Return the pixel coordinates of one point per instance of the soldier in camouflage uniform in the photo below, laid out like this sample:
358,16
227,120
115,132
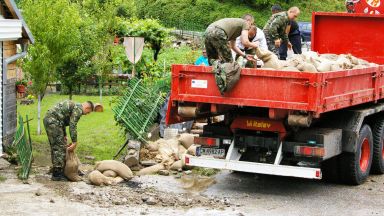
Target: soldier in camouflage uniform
275,29
217,36
66,113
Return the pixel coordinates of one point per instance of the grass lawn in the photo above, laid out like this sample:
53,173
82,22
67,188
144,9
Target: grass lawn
98,134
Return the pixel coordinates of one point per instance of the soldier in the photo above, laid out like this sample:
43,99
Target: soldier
66,113
220,32
275,29
217,36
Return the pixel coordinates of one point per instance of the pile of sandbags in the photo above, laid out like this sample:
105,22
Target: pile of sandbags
110,172
312,62
170,154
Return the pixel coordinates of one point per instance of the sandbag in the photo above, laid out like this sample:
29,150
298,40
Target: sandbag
182,150
186,139
330,56
359,67
192,150
71,170
110,173
324,66
151,170
306,67
117,180
168,147
311,54
263,55
98,179
178,165
335,67
272,61
290,69
121,169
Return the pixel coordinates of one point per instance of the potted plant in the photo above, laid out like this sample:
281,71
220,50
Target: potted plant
20,85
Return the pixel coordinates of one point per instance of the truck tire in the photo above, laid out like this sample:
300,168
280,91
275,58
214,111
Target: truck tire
355,167
378,147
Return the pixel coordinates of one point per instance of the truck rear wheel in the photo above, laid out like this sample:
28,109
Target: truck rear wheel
355,167
378,147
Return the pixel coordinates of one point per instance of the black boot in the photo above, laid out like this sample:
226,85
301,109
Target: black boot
58,175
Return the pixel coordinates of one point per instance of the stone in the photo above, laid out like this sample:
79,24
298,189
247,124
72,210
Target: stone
164,172
4,164
38,193
148,163
151,201
188,172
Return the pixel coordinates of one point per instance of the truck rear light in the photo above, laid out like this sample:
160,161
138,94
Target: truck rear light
186,160
206,141
309,151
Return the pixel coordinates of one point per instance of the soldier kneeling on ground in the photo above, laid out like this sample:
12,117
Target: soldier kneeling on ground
63,114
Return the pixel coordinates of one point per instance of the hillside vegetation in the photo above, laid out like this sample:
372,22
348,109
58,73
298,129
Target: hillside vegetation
198,14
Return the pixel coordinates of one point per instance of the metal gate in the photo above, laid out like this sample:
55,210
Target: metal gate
23,146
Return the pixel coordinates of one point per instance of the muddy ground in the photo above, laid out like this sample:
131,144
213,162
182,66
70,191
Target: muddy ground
229,194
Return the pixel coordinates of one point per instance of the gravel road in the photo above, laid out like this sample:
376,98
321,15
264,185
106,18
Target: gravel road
231,194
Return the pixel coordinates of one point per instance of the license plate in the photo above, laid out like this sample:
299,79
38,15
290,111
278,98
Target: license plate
215,152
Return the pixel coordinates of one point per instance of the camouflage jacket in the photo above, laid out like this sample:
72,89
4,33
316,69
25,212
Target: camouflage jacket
66,113
276,25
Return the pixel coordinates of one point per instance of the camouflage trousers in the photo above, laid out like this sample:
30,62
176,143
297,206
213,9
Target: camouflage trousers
55,133
219,53
271,45
216,44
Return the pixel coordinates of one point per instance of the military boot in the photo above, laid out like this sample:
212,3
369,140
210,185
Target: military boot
58,175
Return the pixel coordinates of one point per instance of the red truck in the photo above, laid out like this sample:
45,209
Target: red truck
310,125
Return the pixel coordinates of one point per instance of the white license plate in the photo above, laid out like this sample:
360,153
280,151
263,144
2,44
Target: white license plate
215,152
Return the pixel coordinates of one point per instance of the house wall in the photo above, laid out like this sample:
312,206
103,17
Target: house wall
10,104
1,97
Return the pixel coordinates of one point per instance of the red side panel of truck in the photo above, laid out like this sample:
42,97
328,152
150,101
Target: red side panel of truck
358,34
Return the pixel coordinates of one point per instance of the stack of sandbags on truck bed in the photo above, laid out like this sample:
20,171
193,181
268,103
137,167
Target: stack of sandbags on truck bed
312,62
170,153
110,172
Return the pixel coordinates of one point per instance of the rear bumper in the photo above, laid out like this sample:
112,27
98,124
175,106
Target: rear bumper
252,167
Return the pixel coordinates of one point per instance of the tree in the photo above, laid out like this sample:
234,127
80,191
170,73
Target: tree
153,32
55,26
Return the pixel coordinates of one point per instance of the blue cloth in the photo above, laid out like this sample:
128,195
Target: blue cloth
202,61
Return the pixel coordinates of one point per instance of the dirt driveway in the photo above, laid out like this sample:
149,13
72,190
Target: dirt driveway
231,194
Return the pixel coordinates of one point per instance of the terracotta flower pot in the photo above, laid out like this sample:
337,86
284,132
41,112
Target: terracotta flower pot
20,88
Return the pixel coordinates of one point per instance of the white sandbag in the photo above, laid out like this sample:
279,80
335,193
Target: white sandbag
186,139
98,179
152,146
307,67
324,66
151,170
192,150
290,69
178,165
110,173
329,56
311,54
335,67
120,168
